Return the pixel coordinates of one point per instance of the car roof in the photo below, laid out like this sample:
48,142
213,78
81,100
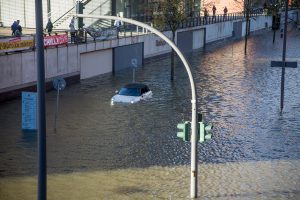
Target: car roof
136,85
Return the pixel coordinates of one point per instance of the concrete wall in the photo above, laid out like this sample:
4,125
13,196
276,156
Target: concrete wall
18,70
185,41
10,70
198,38
237,29
95,63
154,45
123,55
218,31
260,22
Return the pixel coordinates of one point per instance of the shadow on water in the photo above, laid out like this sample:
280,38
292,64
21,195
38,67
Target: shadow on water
238,94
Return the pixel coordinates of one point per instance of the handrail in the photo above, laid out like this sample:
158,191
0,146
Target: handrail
98,6
86,2
92,24
64,14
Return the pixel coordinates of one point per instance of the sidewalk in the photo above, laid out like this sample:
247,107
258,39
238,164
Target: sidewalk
5,31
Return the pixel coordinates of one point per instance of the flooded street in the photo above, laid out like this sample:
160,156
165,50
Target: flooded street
131,151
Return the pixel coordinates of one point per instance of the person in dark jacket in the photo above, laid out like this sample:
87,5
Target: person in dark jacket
49,27
225,12
205,15
14,27
214,11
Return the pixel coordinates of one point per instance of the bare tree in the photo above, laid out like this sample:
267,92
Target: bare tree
248,6
169,14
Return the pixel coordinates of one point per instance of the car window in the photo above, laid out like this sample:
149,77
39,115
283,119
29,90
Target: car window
145,90
130,92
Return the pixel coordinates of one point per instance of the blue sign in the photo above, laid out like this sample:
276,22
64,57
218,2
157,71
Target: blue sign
59,83
29,111
134,62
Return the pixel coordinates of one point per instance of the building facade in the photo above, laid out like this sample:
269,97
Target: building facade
60,12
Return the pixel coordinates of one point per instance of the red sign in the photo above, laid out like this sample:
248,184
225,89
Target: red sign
16,44
55,40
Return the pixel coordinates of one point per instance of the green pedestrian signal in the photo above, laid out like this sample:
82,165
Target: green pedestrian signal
208,132
184,131
201,131
204,131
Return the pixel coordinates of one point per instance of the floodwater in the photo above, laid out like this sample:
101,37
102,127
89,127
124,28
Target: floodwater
131,151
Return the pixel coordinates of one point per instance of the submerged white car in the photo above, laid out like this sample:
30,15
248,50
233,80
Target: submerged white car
132,93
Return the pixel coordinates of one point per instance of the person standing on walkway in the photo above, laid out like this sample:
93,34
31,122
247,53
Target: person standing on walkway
225,12
72,31
118,25
214,11
14,27
205,15
18,31
49,27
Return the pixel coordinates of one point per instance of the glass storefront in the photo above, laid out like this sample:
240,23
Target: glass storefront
136,9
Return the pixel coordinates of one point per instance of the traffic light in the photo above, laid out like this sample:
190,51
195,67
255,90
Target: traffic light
184,132
79,10
275,22
204,131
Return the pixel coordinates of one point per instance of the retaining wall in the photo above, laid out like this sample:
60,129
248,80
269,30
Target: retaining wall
19,70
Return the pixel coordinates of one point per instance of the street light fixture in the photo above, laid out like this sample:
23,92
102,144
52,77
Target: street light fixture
194,158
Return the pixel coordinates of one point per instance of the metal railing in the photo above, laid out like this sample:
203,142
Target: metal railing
98,22
205,20
67,15
128,30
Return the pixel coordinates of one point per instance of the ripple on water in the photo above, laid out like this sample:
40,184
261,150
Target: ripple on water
131,151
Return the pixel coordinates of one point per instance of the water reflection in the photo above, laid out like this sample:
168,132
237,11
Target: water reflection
254,149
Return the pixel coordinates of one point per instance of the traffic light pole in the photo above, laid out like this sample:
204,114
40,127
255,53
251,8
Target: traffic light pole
41,120
194,157
283,57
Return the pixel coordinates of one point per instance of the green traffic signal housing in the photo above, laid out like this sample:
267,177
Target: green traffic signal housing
184,132
275,22
208,131
204,131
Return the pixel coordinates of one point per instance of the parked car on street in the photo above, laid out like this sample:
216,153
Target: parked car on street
132,93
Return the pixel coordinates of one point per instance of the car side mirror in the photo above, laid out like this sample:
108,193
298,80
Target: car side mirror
116,91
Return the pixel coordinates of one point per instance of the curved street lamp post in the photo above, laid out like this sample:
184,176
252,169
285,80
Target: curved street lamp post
194,158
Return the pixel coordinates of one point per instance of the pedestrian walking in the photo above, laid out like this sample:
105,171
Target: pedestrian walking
72,31
49,27
225,12
214,9
205,15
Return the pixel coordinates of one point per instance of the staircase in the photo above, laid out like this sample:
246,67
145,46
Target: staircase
65,17
60,23
99,10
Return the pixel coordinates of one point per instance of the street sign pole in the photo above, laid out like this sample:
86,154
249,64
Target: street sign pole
56,111
134,66
59,84
283,64
283,57
41,122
